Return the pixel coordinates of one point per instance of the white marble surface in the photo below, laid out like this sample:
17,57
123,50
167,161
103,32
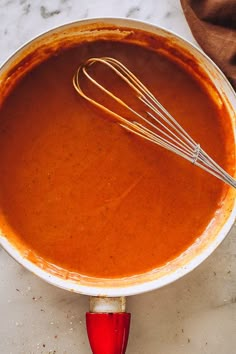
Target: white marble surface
196,315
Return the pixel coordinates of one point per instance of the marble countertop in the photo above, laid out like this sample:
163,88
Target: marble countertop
195,315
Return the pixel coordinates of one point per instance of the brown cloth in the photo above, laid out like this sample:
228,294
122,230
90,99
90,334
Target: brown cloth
213,24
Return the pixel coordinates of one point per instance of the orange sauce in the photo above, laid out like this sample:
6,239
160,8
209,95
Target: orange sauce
89,197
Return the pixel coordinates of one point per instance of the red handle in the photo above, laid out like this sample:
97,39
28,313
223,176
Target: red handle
108,332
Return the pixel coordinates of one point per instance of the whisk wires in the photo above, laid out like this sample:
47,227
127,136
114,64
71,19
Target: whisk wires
158,125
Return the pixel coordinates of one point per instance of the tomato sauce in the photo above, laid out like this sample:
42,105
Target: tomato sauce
89,197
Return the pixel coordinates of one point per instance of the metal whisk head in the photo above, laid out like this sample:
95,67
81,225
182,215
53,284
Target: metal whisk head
156,124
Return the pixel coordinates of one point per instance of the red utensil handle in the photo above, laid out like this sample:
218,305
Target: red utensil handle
108,332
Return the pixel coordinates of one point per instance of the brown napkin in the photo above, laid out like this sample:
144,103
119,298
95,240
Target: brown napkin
213,24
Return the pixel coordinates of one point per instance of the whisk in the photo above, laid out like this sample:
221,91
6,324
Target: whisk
156,124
